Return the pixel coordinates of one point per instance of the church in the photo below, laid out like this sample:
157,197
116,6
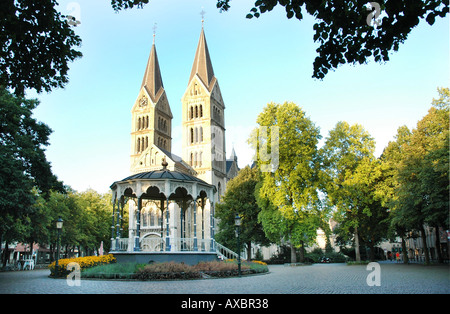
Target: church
171,198
203,123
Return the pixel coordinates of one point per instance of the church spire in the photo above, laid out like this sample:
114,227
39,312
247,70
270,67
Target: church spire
202,63
152,80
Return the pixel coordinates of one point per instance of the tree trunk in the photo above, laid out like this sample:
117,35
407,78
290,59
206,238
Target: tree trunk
438,245
405,252
249,251
424,244
293,254
302,252
6,254
357,254
372,251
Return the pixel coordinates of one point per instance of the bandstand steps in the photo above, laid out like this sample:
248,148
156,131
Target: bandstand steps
225,253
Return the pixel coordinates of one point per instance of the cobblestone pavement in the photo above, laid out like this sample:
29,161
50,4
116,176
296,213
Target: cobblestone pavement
318,278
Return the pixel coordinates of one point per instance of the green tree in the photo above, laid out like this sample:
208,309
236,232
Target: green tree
365,211
423,189
387,190
36,46
96,222
240,199
290,177
342,29
23,165
347,156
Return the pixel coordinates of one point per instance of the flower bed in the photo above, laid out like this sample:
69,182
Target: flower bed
83,262
172,270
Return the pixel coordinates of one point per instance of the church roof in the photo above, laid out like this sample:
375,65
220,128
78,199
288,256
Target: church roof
152,80
202,63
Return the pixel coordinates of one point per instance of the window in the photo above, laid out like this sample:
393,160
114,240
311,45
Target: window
138,145
144,219
201,134
152,218
201,111
196,111
191,113
192,135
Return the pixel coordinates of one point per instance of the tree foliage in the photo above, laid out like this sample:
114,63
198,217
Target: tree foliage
419,161
24,169
291,185
239,199
36,46
342,27
350,178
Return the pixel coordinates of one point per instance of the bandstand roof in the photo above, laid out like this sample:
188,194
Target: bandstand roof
159,184
163,175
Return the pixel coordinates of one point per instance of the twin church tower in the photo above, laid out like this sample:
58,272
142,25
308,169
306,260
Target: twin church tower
203,124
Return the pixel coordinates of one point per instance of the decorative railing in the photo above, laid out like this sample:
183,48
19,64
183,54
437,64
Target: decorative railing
155,244
120,244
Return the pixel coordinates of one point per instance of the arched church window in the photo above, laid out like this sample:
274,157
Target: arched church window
196,111
192,135
146,142
191,113
139,123
201,111
196,135
191,160
146,122
138,145
200,158
201,134
196,160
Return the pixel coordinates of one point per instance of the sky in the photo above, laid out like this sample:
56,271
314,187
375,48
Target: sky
256,61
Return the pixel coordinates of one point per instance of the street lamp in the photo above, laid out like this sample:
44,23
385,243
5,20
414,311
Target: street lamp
59,224
237,223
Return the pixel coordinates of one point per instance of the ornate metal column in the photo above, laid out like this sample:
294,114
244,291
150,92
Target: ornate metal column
167,226
162,226
112,224
118,224
138,225
195,226
211,232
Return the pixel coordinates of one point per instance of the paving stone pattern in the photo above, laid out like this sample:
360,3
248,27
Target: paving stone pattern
317,278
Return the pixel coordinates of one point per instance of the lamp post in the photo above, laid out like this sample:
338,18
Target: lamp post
237,223
59,224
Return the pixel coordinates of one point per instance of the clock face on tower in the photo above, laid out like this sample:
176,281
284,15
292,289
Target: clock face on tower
143,101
